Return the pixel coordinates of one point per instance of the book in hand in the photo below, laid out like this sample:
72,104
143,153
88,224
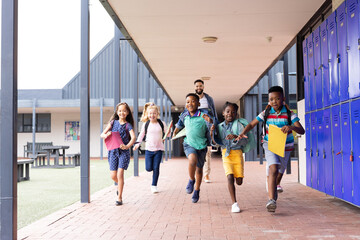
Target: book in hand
113,141
277,140
168,130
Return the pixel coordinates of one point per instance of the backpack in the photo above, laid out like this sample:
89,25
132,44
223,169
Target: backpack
267,112
251,139
147,126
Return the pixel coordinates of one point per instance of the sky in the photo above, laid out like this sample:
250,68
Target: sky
49,40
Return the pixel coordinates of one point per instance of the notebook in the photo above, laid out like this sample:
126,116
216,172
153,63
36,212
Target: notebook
113,141
277,140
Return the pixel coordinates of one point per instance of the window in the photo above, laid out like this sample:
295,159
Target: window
43,122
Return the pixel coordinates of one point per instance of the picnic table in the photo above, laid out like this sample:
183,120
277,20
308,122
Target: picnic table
23,166
54,151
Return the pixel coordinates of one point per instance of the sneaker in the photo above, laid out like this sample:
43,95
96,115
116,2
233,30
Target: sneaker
235,208
190,186
279,189
154,189
196,196
118,203
271,205
207,179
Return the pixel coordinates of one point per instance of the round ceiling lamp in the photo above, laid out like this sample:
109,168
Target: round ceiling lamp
209,39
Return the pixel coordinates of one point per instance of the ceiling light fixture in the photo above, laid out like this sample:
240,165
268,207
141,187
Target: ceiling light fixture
209,39
205,78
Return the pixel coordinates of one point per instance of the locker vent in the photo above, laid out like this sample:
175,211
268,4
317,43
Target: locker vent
310,44
356,113
352,8
341,17
317,40
327,120
336,118
332,25
345,115
323,33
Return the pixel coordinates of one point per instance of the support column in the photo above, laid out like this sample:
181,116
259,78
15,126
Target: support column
166,121
33,127
147,89
117,68
260,90
8,132
286,92
85,104
101,127
136,111
170,118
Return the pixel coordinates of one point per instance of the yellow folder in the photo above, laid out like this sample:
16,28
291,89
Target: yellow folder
277,140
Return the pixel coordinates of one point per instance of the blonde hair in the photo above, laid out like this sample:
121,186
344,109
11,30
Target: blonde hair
147,107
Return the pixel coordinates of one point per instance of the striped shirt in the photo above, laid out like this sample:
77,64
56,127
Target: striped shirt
279,119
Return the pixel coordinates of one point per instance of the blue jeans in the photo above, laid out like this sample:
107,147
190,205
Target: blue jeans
152,163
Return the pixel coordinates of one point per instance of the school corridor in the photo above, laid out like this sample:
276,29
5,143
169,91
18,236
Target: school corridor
302,213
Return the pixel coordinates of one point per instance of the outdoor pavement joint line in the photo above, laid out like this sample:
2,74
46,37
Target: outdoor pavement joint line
67,214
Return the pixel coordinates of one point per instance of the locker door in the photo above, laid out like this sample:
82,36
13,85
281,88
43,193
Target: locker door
353,50
325,63
336,144
333,60
308,149
320,150
317,69
327,153
355,124
346,149
342,48
314,162
312,93
306,76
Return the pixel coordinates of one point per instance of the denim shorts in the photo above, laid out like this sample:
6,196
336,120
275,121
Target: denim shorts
201,154
272,158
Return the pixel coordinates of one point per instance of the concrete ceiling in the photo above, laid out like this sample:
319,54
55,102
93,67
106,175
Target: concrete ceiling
169,34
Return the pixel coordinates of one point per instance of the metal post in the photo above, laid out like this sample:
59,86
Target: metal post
161,110
166,121
147,90
286,92
85,104
117,68
33,127
170,118
136,111
156,93
260,89
8,120
101,127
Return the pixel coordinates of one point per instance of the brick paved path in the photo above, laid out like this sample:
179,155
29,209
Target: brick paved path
302,213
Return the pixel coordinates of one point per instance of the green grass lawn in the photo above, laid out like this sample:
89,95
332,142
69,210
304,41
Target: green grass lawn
51,189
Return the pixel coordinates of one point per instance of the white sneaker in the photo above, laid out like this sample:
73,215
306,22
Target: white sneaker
154,189
235,208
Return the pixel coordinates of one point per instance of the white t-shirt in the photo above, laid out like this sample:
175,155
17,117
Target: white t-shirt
204,102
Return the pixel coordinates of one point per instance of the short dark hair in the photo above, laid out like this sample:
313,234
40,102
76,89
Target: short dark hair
276,89
193,95
198,80
235,106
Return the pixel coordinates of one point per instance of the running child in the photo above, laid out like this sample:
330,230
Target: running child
232,151
195,143
152,132
121,121
279,114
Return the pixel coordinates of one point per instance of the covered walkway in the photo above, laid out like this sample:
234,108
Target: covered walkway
302,213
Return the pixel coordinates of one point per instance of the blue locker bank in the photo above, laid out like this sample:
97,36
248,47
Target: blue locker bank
331,59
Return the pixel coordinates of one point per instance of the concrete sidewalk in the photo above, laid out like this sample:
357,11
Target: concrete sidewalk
302,213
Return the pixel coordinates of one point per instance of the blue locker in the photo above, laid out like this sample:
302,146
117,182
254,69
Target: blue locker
333,59
327,153
355,125
353,49
342,48
336,145
312,93
320,150
306,76
317,69
314,163
346,150
308,149
325,64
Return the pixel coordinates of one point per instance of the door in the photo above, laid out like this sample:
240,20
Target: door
325,64
336,145
333,59
317,70
312,93
320,150
314,162
308,149
346,150
327,153
306,76
355,125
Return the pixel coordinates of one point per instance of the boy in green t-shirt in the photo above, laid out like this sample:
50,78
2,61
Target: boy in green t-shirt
195,142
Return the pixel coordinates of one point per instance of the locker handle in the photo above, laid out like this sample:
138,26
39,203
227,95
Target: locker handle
317,152
351,156
314,72
347,48
358,43
311,152
324,155
338,57
338,153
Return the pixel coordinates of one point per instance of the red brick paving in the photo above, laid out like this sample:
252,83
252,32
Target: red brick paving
302,213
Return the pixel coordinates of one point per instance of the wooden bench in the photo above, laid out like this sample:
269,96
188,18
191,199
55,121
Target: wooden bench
74,159
28,148
21,164
39,160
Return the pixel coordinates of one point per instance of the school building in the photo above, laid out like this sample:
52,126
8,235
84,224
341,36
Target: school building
310,48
